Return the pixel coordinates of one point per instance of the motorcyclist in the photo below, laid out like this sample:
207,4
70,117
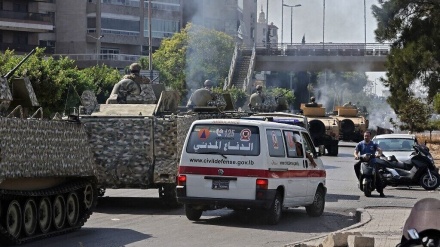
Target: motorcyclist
368,147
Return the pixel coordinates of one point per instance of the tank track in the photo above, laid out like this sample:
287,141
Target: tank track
84,213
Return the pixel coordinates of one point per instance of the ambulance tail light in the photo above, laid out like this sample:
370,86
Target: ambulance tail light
181,186
181,180
262,184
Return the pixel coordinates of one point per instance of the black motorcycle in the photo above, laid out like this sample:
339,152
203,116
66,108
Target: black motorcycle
418,170
421,228
370,175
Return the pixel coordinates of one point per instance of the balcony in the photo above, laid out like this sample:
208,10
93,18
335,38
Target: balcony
22,48
26,21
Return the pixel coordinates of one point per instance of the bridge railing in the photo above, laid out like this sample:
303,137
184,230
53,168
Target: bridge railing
228,80
319,49
247,86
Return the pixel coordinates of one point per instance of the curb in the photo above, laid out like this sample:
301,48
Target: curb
361,216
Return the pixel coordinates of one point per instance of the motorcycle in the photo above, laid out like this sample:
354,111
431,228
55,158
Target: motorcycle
370,178
418,170
421,228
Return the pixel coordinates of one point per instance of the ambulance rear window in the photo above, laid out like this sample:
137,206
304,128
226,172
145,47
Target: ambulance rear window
224,139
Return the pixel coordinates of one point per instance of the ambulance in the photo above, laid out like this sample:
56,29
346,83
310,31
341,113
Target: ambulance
250,165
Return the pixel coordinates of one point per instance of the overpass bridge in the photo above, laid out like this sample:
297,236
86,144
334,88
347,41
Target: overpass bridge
315,57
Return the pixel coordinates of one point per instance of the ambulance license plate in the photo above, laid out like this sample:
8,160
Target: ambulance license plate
220,184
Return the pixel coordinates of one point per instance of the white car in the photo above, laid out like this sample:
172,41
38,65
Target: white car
399,145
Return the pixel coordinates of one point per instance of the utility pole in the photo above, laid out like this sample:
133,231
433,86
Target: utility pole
150,43
282,21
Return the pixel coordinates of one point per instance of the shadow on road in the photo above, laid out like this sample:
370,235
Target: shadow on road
292,220
93,237
135,205
336,197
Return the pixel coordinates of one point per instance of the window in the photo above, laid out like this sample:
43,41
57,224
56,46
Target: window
293,142
161,28
308,144
224,140
275,143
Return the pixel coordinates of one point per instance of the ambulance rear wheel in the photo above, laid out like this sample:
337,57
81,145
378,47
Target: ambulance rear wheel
193,213
274,213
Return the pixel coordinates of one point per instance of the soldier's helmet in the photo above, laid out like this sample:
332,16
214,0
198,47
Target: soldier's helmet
135,68
208,83
312,99
259,87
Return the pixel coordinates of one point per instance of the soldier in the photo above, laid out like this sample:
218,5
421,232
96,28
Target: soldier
121,90
349,104
201,96
312,102
257,98
134,75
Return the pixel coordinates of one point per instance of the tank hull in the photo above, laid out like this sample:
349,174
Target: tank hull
44,165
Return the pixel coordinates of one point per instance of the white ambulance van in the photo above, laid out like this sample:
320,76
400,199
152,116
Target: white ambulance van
250,164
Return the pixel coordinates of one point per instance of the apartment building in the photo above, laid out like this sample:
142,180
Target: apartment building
115,32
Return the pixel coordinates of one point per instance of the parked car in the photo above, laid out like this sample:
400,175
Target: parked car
399,145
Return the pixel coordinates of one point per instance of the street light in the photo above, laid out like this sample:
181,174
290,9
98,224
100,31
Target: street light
98,41
291,19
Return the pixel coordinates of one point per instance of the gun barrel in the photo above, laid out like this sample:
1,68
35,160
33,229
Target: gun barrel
12,71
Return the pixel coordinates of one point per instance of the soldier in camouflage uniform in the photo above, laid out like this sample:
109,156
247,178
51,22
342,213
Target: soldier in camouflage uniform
257,99
202,96
133,88
134,75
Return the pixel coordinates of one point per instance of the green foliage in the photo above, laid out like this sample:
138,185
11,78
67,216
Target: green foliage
239,96
414,115
414,29
436,103
190,57
59,83
277,92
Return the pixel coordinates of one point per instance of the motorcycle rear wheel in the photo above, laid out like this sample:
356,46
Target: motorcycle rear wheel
430,184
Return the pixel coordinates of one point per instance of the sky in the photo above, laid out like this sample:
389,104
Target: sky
344,22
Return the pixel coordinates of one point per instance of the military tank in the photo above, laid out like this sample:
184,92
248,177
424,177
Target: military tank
353,125
323,129
47,175
137,140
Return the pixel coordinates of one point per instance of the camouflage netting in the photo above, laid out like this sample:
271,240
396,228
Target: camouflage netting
34,148
124,149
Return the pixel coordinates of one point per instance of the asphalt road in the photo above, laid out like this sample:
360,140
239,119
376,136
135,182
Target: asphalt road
136,217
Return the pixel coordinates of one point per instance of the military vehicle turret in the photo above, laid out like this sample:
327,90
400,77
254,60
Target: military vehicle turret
323,129
137,142
47,175
353,125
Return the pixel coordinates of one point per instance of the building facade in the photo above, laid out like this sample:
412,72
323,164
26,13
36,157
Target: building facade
115,32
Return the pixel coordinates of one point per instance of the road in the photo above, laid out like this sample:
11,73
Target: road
136,218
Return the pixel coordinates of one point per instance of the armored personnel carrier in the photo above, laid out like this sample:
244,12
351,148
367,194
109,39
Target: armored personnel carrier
47,175
353,125
137,141
323,129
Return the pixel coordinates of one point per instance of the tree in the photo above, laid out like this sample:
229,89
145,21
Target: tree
58,83
190,57
413,27
414,115
436,103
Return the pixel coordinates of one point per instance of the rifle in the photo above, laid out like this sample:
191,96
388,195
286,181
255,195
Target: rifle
12,71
